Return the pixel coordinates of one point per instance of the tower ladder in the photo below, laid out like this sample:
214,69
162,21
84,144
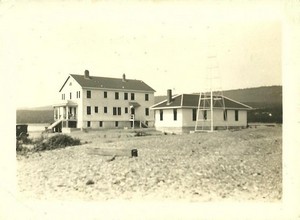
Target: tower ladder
212,98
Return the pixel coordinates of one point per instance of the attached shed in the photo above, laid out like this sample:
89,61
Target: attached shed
179,114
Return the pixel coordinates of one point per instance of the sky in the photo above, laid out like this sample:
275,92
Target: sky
167,44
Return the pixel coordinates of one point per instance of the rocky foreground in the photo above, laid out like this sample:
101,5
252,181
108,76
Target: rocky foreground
244,165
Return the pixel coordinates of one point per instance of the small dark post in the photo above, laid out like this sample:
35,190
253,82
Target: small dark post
169,96
86,74
134,153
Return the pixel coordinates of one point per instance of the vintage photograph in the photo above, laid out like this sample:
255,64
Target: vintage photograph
165,101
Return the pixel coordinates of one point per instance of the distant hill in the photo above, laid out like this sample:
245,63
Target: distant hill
266,101
41,114
35,116
260,97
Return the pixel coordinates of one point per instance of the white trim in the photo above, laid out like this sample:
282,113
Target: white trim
181,100
123,90
171,107
192,107
66,83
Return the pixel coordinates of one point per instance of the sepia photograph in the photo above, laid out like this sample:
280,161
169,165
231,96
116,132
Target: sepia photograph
150,109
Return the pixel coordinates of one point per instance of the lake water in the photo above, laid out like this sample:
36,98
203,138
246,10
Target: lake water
37,127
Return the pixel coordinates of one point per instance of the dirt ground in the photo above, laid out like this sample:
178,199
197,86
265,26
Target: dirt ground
243,165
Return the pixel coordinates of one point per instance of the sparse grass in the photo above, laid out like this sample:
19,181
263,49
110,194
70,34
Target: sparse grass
45,143
56,142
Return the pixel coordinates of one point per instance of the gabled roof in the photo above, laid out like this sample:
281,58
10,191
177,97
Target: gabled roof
191,101
110,83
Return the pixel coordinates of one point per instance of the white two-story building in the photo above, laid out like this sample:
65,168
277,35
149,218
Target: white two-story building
102,102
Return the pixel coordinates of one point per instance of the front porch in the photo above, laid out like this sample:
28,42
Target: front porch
65,116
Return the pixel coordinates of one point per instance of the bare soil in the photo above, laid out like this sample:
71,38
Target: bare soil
243,165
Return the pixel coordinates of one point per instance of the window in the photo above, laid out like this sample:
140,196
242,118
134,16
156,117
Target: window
88,94
225,115
146,111
132,96
114,111
175,114
194,114
236,115
125,96
105,109
119,110
88,110
96,109
63,96
88,124
78,94
100,124
70,95
105,95
205,114
116,124
146,97
161,115
116,95
126,110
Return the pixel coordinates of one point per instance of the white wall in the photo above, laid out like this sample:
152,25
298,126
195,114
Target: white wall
71,86
242,118
185,118
97,99
168,120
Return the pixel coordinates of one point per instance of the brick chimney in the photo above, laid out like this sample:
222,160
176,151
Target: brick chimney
169,96
124,77
86,74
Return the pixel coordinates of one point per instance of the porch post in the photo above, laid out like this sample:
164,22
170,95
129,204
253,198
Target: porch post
54,111
67,116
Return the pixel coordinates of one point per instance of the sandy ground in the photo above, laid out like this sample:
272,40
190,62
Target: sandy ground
244,165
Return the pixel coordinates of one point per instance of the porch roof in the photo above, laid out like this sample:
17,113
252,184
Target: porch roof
65,103
134,104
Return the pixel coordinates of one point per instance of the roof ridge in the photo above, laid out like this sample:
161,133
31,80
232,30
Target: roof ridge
181,103
105,77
